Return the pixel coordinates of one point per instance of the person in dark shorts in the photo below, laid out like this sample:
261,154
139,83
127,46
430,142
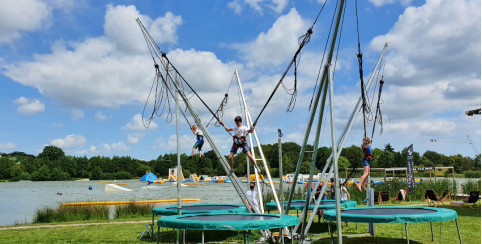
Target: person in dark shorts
239,141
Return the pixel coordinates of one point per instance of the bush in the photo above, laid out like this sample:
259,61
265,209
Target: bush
471,185
472,174
107,176
71,213
122,175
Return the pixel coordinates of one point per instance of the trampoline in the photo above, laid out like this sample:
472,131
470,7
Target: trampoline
227,221
300,205
198,209
402,215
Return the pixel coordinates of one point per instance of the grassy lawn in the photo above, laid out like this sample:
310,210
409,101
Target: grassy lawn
469,222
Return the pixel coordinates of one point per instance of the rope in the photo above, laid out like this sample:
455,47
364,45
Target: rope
378,111
302,41
366,109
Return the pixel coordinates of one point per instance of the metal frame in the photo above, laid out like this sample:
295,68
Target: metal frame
234,180
249,123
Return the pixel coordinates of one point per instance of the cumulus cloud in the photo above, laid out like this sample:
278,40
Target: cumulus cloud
137,124
57,124
278,44
120,146
69,142
100,117
121,28
134,138
29,106
258,5
8,146
77,114
105,71
379,3
439,40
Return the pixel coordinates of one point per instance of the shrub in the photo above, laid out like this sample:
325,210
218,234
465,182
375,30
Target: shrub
71,213
133,209
472,174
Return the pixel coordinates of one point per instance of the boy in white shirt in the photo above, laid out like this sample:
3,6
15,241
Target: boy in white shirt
239,141
251,193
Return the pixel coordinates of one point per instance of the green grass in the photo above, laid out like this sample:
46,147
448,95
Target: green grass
71,213
469,221
133,210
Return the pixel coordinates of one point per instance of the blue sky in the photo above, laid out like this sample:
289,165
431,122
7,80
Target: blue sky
76,74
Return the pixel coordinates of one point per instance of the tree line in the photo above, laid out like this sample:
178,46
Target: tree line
53,165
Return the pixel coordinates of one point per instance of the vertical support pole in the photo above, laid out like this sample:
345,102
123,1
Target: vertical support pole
334,147
179,181
406,233
281,194
458,231
453,178
430,175
435,172
202,238
440,231
431,229
247,167
385,175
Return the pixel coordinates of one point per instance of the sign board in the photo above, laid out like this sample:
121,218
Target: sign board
410,178
424,169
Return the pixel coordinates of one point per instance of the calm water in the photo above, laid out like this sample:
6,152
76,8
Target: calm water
19,200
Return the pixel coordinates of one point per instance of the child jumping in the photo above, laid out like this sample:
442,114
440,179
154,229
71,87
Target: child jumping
367,149
199,142
239,141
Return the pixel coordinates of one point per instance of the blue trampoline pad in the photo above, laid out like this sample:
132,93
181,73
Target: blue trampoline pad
392,215
235,221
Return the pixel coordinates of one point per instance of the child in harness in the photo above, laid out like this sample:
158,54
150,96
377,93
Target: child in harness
239,141
367,150
199,141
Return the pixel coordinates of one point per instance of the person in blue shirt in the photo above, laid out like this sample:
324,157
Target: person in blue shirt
199,142
367,150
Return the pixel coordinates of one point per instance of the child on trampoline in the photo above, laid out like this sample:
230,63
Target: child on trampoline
239,141
199,142
367,149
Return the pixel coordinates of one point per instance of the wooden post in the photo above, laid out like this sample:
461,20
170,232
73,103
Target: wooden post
435,175
393,174
430,175
385,175
453,174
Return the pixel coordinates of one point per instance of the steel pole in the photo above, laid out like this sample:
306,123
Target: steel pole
281,181
179,181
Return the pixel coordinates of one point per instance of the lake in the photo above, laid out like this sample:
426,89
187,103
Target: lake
19,200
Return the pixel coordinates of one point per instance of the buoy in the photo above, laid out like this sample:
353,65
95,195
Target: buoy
90,187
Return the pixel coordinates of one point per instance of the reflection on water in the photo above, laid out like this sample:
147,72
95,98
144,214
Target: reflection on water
19,200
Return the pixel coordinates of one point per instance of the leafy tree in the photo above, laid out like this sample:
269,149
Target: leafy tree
432,156
389,148
42,174
5,167
305,168
52,153
96,173
343,163
17,171
386,160
399,160
426,162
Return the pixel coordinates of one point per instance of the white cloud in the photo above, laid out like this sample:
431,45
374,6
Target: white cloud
258,5
439,40
29,107
37,152
379,3
69,142
77,114
120,26
100,117
22,15
137,124
82,152
106,71
21,100
120,146
133,138
8,146
57,124
278,44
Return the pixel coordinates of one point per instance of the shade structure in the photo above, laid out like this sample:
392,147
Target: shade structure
200,208
392,215
324,204
232,221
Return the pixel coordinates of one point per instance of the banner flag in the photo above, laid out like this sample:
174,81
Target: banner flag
410,178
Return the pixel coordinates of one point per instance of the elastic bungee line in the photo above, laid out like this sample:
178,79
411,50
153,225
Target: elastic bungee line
302,41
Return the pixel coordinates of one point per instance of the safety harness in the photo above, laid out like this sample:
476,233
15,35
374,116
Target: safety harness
239,141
